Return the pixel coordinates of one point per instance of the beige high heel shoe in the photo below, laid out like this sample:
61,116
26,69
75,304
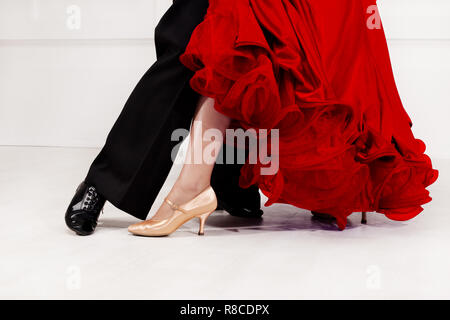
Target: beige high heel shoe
202,206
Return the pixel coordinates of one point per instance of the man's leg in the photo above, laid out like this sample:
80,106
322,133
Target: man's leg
136,159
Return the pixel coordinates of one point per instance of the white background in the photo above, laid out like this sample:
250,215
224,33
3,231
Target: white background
61,85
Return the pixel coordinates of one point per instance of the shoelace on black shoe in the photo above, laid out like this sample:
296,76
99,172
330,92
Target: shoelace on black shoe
91,199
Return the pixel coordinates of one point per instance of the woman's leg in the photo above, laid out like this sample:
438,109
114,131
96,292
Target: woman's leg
196,173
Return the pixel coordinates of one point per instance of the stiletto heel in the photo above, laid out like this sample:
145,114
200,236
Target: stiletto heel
202,218
364,218
202,206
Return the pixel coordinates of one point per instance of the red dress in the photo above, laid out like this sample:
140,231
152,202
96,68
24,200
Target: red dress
320,72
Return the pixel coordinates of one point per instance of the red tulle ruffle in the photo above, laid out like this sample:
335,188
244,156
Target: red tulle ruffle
317,72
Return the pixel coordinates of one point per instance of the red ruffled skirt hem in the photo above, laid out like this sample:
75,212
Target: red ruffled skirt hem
345,140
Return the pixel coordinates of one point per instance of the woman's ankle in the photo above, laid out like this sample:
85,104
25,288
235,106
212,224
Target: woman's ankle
192,188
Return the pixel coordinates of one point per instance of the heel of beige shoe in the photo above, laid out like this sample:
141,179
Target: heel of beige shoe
203,219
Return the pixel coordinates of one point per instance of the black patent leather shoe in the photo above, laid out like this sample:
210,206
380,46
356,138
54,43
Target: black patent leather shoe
245,204
240,211
84,210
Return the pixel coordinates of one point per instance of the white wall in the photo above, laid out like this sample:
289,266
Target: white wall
67,67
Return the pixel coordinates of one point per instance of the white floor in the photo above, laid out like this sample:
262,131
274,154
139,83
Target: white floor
286,255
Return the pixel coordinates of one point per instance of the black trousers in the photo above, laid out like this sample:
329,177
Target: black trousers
136,159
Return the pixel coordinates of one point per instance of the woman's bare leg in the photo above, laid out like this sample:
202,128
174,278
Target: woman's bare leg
196,176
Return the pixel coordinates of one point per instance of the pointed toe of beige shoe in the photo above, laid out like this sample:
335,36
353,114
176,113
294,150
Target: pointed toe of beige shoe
136,229
150,228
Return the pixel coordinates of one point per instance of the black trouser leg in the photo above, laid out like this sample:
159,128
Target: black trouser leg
136,159
225,182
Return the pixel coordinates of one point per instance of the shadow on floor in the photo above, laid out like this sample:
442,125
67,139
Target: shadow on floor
270,222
